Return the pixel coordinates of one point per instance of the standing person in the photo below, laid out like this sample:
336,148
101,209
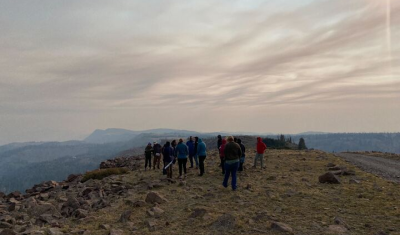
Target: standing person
196,157
219,142
157,155
202,154
168,158
147,153
261,147
190,145
232,161
182,151
222,155
242,158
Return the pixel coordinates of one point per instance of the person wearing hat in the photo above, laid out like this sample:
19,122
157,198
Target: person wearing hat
147,153
157,155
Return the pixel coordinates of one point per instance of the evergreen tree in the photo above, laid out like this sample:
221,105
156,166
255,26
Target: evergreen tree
302,144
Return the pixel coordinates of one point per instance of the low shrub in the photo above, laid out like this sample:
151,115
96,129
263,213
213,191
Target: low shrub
102,173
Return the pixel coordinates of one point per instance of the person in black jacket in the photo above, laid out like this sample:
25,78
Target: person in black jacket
196,157
219,142
147,153
242,158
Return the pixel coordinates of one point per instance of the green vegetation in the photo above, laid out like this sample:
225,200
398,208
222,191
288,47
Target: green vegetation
102,173
302,144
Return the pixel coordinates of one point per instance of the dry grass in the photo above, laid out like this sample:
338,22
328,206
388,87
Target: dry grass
103,173
287,191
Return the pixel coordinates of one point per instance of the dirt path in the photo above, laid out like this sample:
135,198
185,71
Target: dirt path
386,168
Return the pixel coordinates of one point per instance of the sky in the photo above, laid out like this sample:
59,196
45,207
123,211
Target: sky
70,67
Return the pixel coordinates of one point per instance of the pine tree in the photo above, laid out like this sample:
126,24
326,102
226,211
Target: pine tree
302,144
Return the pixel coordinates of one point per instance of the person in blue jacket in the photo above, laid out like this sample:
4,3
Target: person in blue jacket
202,153
190,145
182,152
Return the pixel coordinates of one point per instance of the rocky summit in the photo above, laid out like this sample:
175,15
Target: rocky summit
299,192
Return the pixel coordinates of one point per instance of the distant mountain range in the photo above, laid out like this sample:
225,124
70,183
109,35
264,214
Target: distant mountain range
25,164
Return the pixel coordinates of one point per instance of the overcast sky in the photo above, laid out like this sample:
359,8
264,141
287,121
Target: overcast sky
70,67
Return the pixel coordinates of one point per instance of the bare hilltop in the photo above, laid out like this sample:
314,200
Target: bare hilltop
285,198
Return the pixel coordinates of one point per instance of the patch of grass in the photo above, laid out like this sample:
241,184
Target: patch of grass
103,173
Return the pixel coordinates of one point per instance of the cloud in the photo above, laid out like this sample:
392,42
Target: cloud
97,57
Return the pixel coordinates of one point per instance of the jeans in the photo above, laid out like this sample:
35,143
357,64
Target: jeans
148,162
182,164
191,160
201,164
231,169
259,156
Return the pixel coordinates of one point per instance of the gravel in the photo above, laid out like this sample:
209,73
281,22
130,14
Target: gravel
386,168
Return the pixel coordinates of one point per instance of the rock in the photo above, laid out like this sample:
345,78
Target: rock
198,212
335,168
80,213
336,229
157,211
54,231
104,226
248,187
153,197
271,177
339,172
182,183
329,178
225,222
151,224
354,181
8,231
330,164
340,221
45,208
282,227
116,232
348,172
125,216
72,178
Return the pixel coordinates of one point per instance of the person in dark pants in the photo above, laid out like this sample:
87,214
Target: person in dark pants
190,145
202,153
232,161
196,157
157,149
242,158
168,158
147,153
219,142
182,152
222,155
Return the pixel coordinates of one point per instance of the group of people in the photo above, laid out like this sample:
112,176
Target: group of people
231,150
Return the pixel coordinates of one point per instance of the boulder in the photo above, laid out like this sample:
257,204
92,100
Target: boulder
125,216
153,197
282,227
45,208
329,178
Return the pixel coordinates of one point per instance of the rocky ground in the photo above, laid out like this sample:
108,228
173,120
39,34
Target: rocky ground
286,197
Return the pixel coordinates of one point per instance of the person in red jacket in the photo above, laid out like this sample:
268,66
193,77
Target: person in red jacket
261,147
222,155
